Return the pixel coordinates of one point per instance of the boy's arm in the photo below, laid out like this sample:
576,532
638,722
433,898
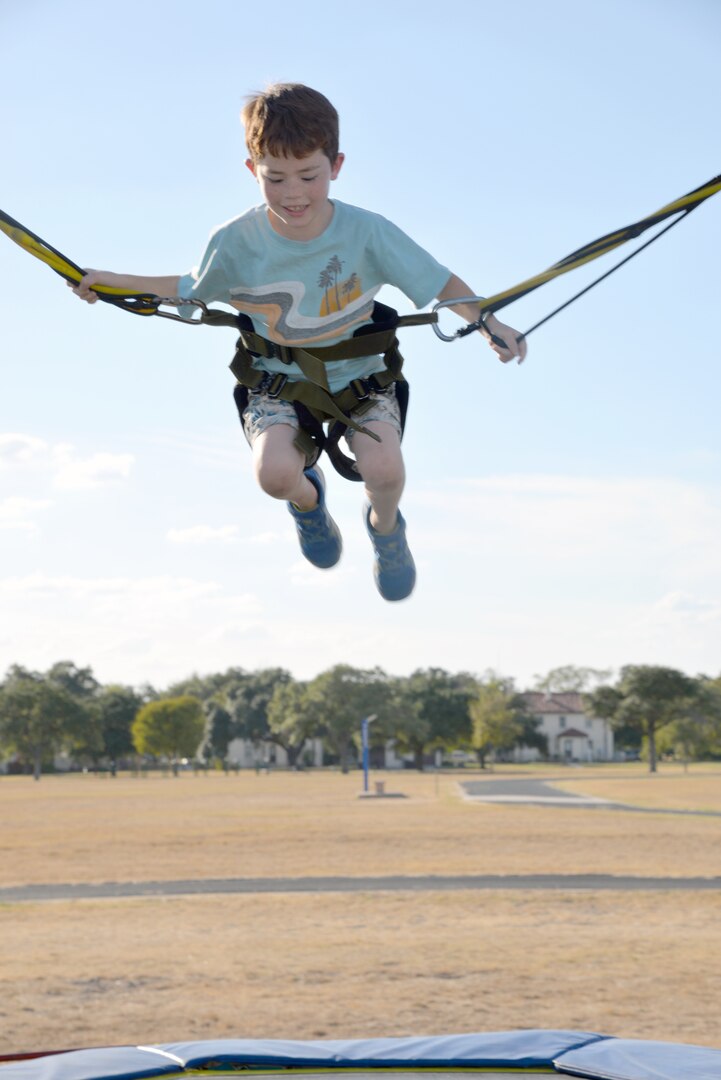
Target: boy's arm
454,287
158,286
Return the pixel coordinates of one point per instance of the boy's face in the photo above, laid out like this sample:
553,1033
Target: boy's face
295,191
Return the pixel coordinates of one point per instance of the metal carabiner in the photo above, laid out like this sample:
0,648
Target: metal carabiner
177,301
463,330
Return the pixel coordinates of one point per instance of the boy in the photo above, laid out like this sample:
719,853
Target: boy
305,269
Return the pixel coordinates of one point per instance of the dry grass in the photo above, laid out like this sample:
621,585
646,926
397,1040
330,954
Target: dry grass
312,966
79,829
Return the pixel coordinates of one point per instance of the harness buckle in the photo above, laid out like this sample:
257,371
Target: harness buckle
276,351
360,388
275,385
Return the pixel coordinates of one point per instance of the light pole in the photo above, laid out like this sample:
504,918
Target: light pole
364,743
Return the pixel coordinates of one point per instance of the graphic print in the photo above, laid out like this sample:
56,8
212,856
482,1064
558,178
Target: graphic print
277,308
337,294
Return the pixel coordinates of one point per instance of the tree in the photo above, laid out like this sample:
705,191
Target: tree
247,699
645,699
80,682
292,718
341,698
406,721
86,743
36,717
499,719
117,708
496,723
170,727
697,733
218,730
207,687
433,711
570,679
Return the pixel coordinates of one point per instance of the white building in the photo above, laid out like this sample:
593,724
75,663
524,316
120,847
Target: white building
572,734
248,755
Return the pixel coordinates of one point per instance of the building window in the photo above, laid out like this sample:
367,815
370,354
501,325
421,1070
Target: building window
589,723
562,721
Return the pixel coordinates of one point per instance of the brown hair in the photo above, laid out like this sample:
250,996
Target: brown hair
290,120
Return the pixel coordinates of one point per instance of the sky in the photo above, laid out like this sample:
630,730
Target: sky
566,511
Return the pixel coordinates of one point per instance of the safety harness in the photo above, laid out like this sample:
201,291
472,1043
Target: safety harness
314,403
312,400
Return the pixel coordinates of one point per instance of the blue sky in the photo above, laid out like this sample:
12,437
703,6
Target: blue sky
565,511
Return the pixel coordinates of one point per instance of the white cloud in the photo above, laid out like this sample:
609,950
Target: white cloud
223,534
574,519
683,604
16,513
132,629
16,449
74,473
204,534
521,573
67,469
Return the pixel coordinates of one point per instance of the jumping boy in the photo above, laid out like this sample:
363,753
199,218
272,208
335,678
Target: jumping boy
306,269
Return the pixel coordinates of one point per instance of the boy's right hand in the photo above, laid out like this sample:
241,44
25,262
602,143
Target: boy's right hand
133,284
84,288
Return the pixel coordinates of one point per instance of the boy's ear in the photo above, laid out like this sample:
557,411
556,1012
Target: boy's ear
250,164
336,166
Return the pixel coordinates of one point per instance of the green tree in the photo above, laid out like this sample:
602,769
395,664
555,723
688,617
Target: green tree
78,681
496,722
341,697
433,712
292,718
405,720
37,718
117,708
85,744
570,679
247,701
208,687
696,734
170,727
218,730
645,699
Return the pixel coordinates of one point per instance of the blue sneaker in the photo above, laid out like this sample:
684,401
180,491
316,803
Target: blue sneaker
394,570
319,536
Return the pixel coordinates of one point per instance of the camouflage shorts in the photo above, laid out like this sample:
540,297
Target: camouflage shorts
263,412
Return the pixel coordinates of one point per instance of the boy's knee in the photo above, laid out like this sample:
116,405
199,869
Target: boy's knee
383,474
279,479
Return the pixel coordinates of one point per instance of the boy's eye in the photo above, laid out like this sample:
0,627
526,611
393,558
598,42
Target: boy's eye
310,179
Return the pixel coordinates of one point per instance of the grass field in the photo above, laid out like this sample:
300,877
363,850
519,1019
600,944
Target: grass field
641,964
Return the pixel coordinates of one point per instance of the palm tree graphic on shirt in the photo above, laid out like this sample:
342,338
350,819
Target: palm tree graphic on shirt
337,293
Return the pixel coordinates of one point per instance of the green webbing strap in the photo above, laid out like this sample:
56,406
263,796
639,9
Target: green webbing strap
317,399
315,394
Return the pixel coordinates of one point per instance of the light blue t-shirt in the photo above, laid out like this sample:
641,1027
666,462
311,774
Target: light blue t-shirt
315,292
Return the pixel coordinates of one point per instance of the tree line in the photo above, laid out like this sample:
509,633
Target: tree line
66,709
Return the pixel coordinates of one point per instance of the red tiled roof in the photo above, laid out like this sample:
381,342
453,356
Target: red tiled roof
572,733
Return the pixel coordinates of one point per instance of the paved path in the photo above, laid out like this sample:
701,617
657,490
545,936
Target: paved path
425,883
533,792
542,793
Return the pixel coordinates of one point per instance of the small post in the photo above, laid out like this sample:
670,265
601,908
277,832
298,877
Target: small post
364,744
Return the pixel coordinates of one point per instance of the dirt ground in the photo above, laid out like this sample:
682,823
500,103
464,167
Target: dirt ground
641,964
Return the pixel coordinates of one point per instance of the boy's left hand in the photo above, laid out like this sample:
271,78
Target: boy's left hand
506,342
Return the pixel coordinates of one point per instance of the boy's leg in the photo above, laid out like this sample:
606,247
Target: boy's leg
281,472
381,466
279,467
